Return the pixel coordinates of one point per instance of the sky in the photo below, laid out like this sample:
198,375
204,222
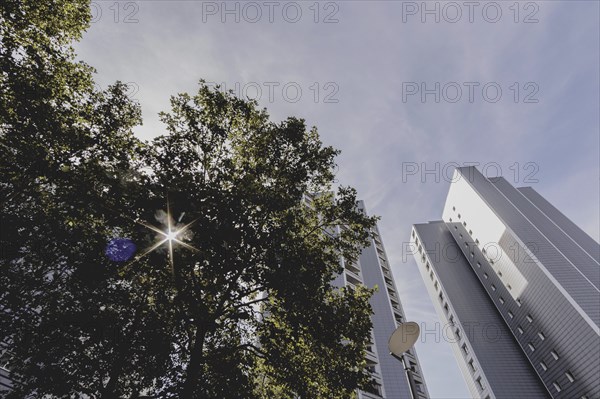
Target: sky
406,90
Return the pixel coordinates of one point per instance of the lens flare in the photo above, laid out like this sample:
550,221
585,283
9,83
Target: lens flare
171,235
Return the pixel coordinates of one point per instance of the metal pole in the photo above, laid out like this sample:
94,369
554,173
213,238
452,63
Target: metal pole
409,376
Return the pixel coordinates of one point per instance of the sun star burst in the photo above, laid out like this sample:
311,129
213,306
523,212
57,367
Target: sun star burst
169,237
172,235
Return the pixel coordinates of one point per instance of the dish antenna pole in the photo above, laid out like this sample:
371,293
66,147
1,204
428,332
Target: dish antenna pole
400,342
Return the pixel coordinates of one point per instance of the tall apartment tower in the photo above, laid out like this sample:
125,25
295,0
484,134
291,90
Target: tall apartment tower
373,269
517,285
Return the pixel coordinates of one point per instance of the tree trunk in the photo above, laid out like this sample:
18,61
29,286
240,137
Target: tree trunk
194,368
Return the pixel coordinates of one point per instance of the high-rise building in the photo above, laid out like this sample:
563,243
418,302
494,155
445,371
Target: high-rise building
373,269
517,285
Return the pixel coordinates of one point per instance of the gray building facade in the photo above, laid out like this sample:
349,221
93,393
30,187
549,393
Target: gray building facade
373,269
507,259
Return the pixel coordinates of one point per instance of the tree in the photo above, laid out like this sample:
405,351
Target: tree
230,292
241,178
67,155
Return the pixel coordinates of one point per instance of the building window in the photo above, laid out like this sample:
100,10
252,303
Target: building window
478,264
472,365
472,255
427,266
479,383
467,244
435,285
541,335
520,329
554,355
511,315
465,224
457,332
502,300
459,215
460,235
451,319
413,234
470,232
455,228
413,366
570,376
431,275
509,287
446,308
499,273
419,387
454,208
557,386
518,300
441,296
529,318
544,366
465,349
450,219
531,347
477,241
493,287
485,275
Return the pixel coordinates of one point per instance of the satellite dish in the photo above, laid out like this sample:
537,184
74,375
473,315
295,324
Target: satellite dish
403,338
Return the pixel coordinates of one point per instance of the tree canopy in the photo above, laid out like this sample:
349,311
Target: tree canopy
190,266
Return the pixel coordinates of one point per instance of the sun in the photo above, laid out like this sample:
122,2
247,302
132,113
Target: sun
171,235
172,238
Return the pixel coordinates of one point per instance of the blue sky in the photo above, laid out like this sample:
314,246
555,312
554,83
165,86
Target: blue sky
357,65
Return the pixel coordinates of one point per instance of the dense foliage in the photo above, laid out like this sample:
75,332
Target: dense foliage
239,304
